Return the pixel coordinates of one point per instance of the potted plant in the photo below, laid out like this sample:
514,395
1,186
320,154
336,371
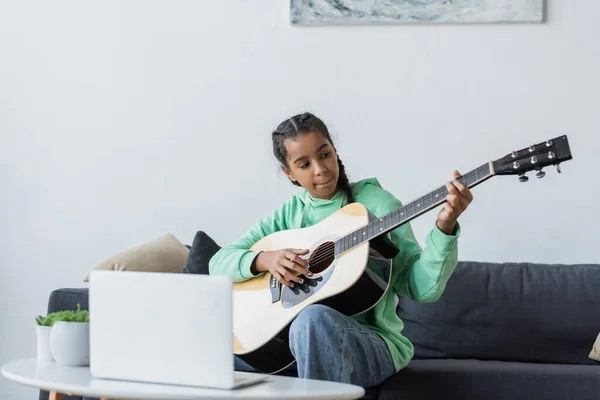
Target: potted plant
42,330
69,336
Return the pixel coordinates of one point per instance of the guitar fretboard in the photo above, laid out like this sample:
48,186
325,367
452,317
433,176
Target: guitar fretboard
407,212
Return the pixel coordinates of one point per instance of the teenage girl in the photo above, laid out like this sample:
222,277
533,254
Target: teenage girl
368,348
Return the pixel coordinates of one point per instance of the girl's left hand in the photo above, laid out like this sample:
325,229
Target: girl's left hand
458,199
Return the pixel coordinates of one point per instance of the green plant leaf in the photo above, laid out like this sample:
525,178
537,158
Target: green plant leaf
66,316
42,321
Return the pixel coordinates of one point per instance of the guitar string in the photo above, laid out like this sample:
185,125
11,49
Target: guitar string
466,179
322,256
325,254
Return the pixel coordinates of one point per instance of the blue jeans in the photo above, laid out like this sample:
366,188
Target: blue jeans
329,345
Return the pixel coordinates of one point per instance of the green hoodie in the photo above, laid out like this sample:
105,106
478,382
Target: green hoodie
420,274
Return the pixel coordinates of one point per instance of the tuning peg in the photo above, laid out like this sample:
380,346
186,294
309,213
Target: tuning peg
531,148
558,168
513,154
540,174
523,178
548,143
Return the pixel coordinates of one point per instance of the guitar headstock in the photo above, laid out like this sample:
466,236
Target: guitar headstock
534,157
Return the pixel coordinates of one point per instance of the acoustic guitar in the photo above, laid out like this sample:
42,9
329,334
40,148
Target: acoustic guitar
263,309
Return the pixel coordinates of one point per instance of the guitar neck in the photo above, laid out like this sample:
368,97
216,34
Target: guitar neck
410,211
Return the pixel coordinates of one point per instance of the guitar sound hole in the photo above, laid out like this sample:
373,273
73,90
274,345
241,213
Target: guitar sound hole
322,257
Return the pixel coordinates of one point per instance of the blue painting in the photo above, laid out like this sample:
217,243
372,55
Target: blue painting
320,12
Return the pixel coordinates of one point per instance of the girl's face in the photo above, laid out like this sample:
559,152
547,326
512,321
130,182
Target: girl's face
313,164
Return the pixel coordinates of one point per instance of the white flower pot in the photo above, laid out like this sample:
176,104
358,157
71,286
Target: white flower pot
70,343
43,343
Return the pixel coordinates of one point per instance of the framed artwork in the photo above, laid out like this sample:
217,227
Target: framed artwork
323,12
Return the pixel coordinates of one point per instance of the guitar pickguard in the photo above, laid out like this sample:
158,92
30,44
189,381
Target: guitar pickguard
301,292
291,297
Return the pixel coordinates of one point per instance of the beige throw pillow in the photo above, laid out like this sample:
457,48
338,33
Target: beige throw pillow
595,353
164,254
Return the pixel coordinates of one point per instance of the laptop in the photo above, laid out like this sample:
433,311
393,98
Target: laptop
163,328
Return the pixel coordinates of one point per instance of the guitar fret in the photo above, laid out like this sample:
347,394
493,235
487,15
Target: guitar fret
484,170
377,226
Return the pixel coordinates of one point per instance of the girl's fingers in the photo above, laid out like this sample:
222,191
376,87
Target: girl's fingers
281,279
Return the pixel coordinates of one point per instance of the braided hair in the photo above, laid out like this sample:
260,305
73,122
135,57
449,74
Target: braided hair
304,123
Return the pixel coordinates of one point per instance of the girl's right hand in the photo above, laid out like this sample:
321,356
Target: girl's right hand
285,265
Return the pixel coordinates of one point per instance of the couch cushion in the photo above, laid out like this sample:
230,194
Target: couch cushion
511,312
473,379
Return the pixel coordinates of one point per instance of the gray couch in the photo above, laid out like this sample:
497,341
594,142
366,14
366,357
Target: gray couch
499,331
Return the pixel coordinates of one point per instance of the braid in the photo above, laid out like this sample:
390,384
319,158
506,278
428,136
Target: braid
344,183
279,135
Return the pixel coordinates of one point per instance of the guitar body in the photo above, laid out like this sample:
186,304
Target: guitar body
261,320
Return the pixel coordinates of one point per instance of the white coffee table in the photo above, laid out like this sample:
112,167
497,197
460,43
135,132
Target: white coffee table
62,380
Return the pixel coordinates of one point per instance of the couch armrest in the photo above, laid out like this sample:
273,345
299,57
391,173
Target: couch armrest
62,300
67,299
